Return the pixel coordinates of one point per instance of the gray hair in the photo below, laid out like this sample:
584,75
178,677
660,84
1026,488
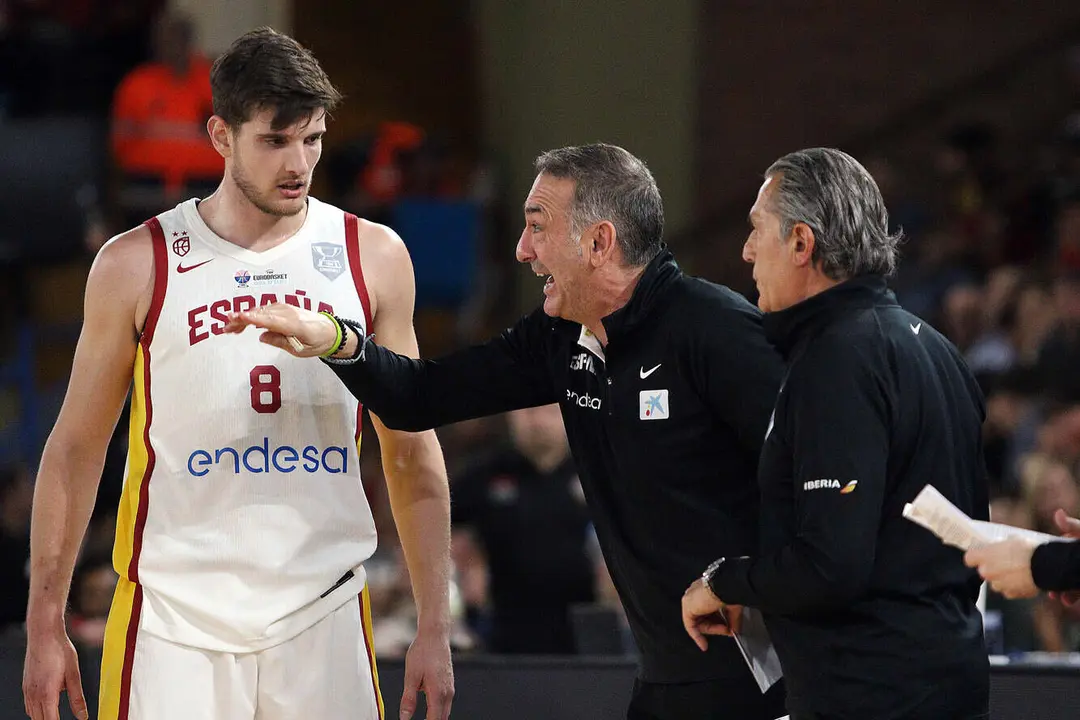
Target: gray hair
611,184
832,193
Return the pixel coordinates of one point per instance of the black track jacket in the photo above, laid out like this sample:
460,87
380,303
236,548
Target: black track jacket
665,425
872,616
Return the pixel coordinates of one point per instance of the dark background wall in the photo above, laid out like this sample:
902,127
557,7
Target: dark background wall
873,78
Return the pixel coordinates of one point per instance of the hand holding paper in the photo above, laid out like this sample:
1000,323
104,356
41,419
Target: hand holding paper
1001,553
1006,566
935,513
705,614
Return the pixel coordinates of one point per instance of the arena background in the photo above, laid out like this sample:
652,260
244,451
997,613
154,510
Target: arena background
968,115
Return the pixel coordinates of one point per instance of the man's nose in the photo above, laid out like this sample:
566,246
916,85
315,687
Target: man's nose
747,251
296,162
524,251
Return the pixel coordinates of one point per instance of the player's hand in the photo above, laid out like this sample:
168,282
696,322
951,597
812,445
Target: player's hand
52,666
705,614
1006,565
314,333
428,669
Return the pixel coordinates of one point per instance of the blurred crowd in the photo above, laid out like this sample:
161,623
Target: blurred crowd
993,261
996,267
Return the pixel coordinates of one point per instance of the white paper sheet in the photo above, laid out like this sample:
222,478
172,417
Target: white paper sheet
935,513
757,649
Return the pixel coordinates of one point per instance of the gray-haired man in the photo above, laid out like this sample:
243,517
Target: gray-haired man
871,615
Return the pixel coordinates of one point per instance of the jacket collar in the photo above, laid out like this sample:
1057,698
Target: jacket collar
659,275
788,328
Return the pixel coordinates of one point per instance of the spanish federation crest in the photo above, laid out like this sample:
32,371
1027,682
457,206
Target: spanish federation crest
329,259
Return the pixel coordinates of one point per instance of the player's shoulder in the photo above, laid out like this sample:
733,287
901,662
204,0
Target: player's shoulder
378,243
382,247
134,246
126,261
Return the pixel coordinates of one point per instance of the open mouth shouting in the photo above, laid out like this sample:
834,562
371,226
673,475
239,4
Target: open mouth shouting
549,281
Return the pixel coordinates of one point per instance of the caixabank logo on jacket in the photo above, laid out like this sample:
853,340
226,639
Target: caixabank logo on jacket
653,405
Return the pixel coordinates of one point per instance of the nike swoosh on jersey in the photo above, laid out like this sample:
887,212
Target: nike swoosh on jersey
181,269
646,373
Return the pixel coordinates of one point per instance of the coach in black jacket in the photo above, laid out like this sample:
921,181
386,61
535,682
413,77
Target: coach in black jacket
665,381
871,615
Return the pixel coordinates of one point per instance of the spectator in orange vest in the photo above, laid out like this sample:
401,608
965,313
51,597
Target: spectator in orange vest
160,111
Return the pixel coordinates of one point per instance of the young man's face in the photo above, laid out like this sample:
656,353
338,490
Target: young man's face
545,244
273,168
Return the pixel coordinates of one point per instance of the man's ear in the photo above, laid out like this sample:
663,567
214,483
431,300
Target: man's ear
802,243
220,135
602,243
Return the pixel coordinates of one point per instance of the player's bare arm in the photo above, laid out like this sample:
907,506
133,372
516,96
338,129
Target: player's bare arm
416,479
118,292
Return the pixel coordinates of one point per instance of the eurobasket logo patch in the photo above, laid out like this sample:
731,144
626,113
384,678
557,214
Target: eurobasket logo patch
653,405
269,277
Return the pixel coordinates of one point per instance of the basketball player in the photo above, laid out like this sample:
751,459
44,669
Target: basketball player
243,527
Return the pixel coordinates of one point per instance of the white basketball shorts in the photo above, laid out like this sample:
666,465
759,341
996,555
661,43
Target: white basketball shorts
326,672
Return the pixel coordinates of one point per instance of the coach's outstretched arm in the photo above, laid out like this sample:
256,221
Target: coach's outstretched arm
118,292
507,373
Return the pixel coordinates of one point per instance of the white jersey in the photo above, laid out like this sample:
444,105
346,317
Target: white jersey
243,519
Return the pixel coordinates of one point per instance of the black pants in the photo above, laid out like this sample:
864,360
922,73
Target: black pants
709,700
952,703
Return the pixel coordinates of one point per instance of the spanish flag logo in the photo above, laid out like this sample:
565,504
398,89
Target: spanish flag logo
849,488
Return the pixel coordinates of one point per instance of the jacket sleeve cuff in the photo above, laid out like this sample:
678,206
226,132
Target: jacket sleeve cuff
731,582
1050,565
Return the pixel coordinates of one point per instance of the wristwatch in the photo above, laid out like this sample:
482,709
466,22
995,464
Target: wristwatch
710,573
